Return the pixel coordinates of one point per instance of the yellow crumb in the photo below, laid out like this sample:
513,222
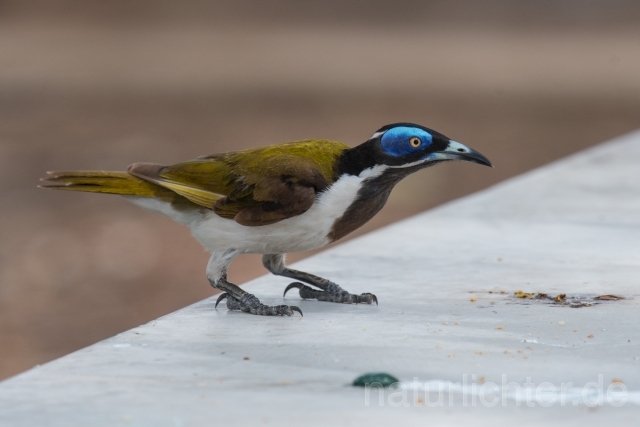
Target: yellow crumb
521,294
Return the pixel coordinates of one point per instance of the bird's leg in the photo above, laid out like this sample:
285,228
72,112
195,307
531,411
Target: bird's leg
237,298
331,292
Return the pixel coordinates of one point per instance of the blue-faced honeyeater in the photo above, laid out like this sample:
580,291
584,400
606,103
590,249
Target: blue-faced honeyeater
290,197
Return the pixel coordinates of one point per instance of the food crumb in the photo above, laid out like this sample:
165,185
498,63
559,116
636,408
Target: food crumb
500,327
457,323
473,299
616,381
246,358
479,352
521,294
561,323
608,298
590,336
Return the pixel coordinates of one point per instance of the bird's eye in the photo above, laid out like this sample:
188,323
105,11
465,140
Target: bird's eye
415,142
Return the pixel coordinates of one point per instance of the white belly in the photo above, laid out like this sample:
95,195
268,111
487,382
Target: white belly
301,233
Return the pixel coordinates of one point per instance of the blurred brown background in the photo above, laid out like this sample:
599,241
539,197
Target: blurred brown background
100,85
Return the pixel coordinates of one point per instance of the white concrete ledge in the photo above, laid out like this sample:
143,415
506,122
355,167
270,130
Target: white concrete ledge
571,227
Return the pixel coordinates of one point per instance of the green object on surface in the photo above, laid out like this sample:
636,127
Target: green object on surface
384,379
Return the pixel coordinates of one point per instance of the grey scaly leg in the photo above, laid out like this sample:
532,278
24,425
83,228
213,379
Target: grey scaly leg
237,298
330,291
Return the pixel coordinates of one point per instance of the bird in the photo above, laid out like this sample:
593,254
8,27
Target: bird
273,200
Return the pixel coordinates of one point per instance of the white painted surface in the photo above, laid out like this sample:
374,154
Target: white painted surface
571,227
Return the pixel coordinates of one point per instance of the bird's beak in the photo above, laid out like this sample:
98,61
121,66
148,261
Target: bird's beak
457,151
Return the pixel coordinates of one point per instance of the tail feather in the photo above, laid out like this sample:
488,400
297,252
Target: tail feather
121,183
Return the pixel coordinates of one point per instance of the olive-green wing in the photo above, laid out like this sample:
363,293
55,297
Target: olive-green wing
152,173
254,187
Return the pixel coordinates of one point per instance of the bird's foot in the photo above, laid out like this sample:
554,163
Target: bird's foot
250,304
333,293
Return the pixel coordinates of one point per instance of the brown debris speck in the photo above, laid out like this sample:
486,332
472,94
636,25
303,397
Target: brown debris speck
608,298
573,301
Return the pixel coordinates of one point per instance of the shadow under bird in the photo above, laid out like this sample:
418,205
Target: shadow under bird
290,197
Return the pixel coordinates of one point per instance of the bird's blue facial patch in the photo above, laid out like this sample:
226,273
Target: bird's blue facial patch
401,140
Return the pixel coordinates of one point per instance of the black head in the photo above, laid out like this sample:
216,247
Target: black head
407,146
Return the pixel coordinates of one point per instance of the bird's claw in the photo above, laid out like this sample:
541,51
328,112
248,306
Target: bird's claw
333,294
250,304
297,285
220,298
368,298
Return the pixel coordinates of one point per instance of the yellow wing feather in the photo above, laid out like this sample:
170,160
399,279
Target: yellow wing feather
120,183
152,173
